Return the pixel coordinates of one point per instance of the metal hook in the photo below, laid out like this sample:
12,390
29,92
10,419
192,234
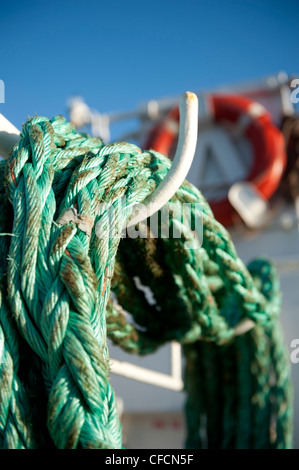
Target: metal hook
181,163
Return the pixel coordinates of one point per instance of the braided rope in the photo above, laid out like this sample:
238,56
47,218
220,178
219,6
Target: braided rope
56,296
57,192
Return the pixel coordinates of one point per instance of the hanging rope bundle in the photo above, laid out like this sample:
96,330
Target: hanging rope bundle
62,286
238,386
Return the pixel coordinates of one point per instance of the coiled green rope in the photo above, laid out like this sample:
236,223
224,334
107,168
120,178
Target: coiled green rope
56,277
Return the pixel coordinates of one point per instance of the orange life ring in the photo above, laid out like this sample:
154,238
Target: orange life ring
267,141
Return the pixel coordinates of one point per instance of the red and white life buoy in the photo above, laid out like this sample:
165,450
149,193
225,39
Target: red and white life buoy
255,123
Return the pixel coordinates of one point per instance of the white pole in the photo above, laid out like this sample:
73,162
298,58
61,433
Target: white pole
176,361
9,136
141,374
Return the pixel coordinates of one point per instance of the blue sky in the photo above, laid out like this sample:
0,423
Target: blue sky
117,54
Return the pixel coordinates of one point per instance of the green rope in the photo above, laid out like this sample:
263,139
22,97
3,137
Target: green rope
63,288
